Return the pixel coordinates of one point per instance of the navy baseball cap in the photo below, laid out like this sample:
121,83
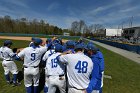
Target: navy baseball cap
70,43
58,48
33,38
91,47
49,40
38,41
7,42
79,46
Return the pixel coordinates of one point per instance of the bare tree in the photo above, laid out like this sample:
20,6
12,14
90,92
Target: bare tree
74,27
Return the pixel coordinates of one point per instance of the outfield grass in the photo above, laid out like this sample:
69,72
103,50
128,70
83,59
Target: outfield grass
125,73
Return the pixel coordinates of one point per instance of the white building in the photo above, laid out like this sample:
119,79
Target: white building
113,32
66,34
109,32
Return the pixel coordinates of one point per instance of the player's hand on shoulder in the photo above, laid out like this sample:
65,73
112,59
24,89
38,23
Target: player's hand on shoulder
69,52
54,38
18,50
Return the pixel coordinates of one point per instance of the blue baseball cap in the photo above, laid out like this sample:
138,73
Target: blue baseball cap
91,47
38,41
33,38
58,47
70,43
7,42
49,40
79,46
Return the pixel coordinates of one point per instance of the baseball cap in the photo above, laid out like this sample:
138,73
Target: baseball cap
49,40
33,38
70,43
7,42
38,41
58,48
91,47
79,46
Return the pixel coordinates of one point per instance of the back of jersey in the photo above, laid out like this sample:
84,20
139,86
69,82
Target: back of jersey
32,56
53,66
6,53
79,68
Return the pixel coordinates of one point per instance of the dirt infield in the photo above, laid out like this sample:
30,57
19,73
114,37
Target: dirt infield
18,38
22,38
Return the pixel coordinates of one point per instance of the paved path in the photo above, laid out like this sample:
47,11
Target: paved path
130,55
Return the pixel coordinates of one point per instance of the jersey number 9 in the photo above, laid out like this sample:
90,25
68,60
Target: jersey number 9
81,67
33,56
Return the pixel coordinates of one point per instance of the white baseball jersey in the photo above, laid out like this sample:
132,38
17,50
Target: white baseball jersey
6,53
32,56
53,66
79,68
47,54
9,66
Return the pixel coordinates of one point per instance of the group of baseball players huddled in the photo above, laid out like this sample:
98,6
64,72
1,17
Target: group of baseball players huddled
71,66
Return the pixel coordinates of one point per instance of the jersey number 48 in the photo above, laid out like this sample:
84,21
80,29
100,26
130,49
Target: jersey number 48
81,67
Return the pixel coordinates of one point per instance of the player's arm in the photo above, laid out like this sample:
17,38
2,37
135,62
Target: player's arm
20,55
44,58
94,78
101,59
62,58
45,48
11,53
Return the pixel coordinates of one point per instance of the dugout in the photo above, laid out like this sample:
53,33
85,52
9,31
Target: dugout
133,32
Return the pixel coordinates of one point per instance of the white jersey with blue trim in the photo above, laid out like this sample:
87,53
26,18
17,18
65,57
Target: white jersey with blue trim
31,44
79,68
47,54
6,53
32,56
53,66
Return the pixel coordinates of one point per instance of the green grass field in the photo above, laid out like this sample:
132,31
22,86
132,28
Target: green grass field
124,72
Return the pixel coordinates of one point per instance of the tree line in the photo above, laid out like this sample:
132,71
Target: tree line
23,25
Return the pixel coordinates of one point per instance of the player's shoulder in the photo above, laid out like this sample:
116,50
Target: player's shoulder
7,48
27,49
87,58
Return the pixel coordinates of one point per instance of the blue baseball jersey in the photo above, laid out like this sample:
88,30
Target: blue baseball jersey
97,74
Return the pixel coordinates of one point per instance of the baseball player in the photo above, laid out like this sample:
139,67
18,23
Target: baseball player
79,68
8,64
96,83
55,72
70,45
44,59
32,56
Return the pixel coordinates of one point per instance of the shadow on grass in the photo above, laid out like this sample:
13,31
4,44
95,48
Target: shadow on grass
20,76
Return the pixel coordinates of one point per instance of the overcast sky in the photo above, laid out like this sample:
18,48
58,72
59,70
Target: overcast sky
62,13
